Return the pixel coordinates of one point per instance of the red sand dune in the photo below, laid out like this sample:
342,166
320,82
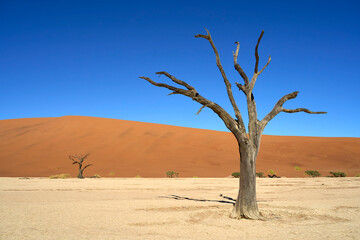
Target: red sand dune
40,147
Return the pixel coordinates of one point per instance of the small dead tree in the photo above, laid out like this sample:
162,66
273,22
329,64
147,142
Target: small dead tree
79,159
249,143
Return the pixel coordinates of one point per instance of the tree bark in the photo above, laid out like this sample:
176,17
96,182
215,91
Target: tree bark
246,204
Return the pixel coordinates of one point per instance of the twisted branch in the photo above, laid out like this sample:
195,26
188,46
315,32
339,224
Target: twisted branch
256,73
256,52
301,110
227,83
278,108
87,166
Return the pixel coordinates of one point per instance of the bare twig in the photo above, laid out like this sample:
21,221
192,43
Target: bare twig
301,110
237,66
200,109
256,52
241,87
264,66
256,73
176,90
175,80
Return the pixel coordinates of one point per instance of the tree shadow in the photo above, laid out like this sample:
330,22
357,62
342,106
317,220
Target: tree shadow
228,201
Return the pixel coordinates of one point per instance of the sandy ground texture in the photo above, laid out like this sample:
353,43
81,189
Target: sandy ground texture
183,208
39,147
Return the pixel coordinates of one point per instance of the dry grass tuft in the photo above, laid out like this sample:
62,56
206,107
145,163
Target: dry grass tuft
95,176
62,175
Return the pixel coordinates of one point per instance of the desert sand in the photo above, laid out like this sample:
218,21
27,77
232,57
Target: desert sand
39,147
157,208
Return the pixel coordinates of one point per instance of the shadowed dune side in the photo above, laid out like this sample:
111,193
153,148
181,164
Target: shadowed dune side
40,147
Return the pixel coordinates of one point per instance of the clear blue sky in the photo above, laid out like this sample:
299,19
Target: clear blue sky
84,58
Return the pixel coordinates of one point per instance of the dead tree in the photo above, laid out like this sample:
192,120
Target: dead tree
79,159
249,143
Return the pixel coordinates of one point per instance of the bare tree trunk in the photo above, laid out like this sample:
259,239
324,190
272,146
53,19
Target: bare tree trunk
246,205
80,175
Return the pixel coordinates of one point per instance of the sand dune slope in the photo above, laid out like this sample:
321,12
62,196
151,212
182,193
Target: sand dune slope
40,147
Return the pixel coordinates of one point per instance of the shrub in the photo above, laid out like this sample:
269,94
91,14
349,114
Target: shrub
357,175
297,168
260,174
236,174
172,174
62,175
313,173
111,173
138,176
272,172
338,174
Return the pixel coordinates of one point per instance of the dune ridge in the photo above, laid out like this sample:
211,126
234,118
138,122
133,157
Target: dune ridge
39,147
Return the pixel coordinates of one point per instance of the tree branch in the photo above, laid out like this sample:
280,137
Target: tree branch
74,161
237,66
227,83
256,52
278,108
87,166
301,110
203,36
84,156
241,88
175,80
256,73
200,109
230,122
80,158
264,66
174,89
